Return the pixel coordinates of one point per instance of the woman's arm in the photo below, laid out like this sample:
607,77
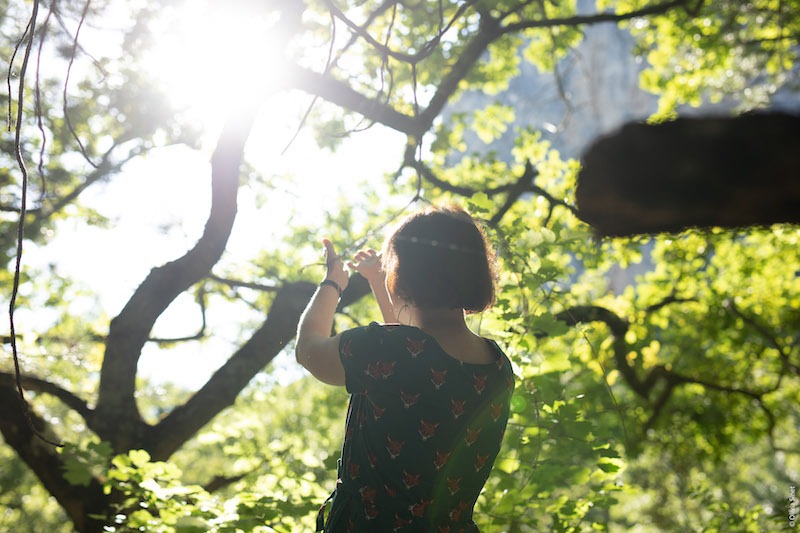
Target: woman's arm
368,264
315,349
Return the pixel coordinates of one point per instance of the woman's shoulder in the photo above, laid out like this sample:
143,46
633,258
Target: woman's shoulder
381,332
388,329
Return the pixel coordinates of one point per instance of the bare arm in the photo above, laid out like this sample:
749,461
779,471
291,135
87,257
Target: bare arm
368,264
315,349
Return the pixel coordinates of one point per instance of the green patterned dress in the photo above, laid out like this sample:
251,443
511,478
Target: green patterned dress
422,433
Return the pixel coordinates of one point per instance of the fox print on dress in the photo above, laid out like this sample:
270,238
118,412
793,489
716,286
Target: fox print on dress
409,399
438,378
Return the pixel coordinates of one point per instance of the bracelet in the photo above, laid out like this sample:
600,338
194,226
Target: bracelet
332,284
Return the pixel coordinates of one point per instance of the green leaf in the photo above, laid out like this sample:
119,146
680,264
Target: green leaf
77,472
480,202
548,324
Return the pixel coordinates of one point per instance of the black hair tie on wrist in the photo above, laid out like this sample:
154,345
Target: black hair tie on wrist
332,284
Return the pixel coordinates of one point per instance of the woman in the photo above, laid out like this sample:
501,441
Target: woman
429,398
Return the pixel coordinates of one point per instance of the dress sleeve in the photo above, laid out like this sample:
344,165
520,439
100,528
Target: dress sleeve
360,351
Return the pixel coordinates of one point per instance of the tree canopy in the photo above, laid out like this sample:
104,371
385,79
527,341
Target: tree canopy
664,401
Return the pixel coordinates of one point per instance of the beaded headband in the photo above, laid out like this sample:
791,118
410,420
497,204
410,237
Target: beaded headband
435,243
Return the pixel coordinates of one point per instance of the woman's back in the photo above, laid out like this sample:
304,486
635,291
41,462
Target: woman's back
423,430
466,347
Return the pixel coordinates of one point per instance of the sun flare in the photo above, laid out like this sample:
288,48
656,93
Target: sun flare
209,54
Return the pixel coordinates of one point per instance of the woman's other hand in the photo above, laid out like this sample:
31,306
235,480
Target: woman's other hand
368,264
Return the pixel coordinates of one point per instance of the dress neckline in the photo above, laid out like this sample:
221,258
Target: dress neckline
496,351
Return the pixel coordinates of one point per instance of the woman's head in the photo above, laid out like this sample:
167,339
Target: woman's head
439,258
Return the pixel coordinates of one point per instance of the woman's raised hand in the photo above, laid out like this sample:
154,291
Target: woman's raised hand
368,264
335,265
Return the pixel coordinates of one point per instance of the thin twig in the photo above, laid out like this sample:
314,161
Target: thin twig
66,85
9,72
245,284
21,224
38,105
328,64
423,52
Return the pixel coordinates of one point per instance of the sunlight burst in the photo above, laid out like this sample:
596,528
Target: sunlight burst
211,54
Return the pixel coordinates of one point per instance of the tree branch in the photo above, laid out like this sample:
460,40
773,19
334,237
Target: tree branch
233,283
405,57
201,301
40,385
671,299
488,31
762,330
596,18
224,386
618,327
341,94
523,184
119,420
659,405
678,378
103,169
462,190
220,482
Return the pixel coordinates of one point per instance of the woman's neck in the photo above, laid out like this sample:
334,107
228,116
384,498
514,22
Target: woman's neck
437,319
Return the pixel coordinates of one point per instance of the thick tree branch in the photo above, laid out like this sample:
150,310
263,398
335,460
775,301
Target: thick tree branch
486,35
618,327
341,94
659,404
40,385
678,379
673,379
79,502
490,29
660,373
119,421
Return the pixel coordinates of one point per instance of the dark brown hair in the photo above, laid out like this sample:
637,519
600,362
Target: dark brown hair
439,257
